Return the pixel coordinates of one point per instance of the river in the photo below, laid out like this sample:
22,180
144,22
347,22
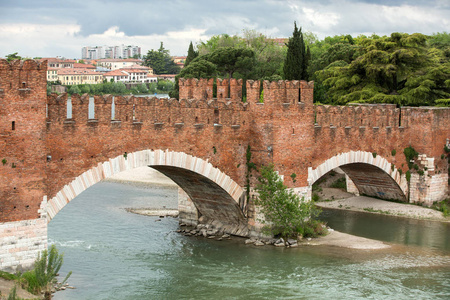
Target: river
119,255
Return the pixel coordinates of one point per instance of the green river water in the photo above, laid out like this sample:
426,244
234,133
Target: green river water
119,255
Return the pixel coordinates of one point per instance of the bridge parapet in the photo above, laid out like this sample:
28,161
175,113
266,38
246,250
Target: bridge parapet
143,111
280,92
358,115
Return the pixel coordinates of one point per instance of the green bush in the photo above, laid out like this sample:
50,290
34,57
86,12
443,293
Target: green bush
443,206
410,155
408,176
315,197
46,268
285,213
339,184
393,152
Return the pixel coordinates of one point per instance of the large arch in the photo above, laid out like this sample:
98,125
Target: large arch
214,193
372,176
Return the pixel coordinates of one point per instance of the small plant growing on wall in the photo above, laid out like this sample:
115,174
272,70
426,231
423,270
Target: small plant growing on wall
293,176
214,150
374,154
125,155
408,176
4,161
410,155
393,152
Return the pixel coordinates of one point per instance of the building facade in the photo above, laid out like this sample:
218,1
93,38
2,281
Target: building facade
101,52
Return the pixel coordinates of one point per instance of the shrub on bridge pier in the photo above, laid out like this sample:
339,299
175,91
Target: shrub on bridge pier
285,213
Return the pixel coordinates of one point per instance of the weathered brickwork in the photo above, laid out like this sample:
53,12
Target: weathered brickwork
20,243
22,143
201,143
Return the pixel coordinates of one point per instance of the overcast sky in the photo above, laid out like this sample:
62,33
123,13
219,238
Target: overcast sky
48,28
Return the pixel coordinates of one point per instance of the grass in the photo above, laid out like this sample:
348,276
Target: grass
339,184
8,276
443,206
370,209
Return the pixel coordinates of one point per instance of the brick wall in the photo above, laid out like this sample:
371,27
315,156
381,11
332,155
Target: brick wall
22,143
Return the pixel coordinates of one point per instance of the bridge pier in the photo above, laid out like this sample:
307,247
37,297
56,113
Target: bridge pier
21,243
187,212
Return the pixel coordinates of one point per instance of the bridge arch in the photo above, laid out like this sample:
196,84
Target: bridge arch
372,176
215,194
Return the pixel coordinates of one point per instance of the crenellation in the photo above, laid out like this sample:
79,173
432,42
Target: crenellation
253,91
223,86
80,108
236,90
102,108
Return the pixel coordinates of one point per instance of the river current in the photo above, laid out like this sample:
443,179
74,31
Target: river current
115,254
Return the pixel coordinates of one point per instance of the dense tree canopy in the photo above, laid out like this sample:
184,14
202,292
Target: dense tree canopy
406,69
269,56
160,61
401,68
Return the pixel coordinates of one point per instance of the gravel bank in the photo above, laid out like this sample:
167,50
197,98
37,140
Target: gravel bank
367,204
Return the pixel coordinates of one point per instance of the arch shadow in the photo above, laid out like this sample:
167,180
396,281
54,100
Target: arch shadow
372,176
214,193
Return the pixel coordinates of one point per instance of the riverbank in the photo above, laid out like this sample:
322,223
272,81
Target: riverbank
6,287
347,201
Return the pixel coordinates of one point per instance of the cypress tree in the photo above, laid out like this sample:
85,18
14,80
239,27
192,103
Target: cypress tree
191,55
296,62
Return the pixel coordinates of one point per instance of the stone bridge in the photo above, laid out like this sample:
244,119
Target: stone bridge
51,151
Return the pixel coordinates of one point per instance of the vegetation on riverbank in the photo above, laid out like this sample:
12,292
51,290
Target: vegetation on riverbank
42,278
285,213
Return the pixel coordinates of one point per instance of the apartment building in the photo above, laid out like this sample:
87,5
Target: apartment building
101,52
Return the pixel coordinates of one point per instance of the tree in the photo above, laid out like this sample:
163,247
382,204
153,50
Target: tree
285,213
229,60
160,61
74,89
192,54
296,62
400,69
13,56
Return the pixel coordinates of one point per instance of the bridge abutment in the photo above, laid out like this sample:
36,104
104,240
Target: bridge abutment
21,242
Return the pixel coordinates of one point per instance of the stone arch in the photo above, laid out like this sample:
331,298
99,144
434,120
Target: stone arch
370,174
214,193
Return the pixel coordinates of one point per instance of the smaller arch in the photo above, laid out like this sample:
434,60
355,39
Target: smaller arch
351,161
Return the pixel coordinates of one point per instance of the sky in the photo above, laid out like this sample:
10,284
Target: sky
49,28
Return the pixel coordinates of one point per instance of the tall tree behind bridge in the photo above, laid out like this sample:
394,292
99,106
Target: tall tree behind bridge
296,62
192,54
160,61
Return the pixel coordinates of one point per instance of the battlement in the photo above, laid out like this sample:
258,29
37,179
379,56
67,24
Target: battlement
380,116
367,115
143,111
19,77
275,92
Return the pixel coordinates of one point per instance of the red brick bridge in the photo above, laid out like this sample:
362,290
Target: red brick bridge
201,143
